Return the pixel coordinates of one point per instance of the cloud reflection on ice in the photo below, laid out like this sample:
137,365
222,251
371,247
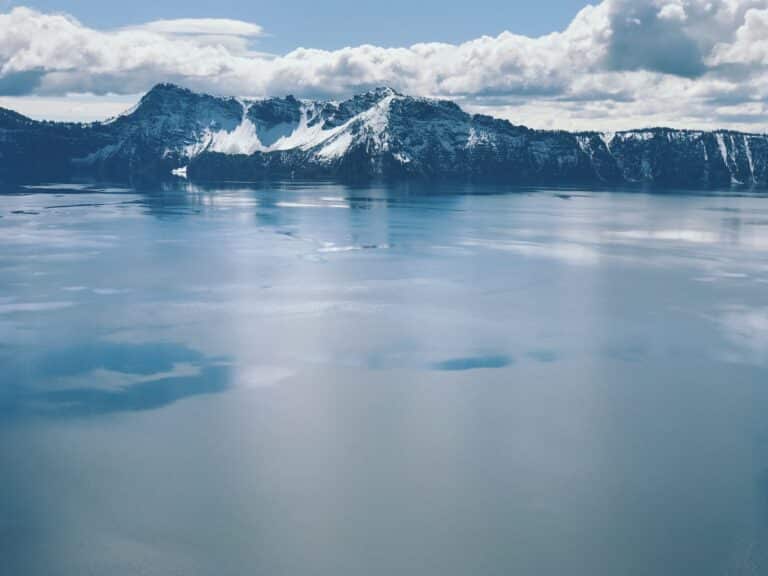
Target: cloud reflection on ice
746,330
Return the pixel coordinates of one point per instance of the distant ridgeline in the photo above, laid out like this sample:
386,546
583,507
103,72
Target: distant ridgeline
378,134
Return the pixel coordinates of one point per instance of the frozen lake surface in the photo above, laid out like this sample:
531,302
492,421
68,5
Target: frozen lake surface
329,380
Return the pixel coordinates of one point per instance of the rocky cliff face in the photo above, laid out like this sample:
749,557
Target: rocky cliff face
378,134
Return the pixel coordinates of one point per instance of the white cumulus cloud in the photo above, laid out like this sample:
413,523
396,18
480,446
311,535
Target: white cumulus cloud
672,12
619,64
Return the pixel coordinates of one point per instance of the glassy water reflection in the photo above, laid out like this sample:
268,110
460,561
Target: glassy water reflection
317,379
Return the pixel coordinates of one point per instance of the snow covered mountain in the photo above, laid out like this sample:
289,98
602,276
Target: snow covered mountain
378,134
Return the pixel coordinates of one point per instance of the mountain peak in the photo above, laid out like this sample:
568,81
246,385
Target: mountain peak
166,90
178,105
359,102
383,91
168,87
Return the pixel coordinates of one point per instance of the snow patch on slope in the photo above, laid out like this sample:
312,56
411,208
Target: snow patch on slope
750,161
477,139
375,122
337,147
245,139
242,140
722,147
727,155
584,144
607,138
305,135
372,125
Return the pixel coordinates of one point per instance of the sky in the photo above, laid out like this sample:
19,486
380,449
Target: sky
611,65
331,24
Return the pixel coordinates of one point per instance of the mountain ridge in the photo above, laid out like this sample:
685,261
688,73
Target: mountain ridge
380,133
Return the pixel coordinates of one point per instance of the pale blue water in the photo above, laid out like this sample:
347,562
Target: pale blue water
318,379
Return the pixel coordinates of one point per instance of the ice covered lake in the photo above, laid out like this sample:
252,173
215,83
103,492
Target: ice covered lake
318,379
